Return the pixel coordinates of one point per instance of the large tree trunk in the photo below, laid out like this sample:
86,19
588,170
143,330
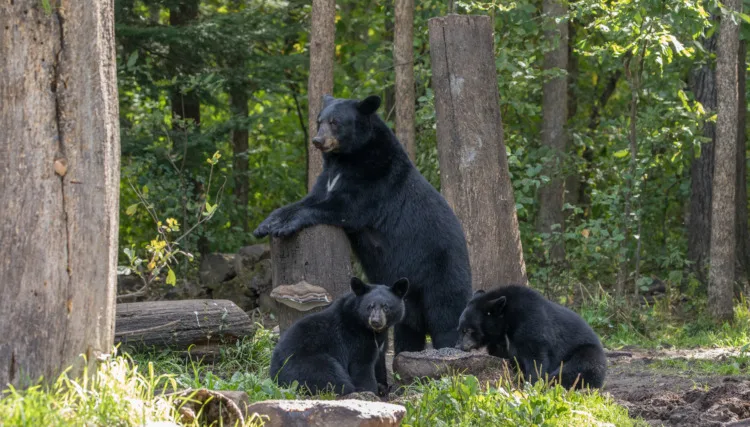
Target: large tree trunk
238,104
703,85
60,187
474,176
554,137
319,255
723,207
403,61
742,247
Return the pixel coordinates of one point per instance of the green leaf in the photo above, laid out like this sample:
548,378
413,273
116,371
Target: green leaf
130,211
171,278
622,153
131,60
47,7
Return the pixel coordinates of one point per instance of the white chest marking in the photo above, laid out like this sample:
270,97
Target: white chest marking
332,184
507,344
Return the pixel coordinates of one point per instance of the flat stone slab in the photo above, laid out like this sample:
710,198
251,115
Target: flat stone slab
325,413
433,363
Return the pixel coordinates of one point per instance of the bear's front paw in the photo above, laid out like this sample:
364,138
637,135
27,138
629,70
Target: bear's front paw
285,230
267,226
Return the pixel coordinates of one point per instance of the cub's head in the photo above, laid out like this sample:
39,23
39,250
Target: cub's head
345,125
380,306
481,319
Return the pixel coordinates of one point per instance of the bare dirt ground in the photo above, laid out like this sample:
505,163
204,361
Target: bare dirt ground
672,398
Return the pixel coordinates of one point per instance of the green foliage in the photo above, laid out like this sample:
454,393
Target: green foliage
118,394
463,401
666,324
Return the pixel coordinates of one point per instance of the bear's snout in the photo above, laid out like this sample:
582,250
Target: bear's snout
318,142
377,319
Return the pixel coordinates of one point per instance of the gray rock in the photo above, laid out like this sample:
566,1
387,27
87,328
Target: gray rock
326,413
248,256
445,361
217,268
246,288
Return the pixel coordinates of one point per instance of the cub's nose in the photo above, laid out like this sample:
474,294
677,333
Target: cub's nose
377,324
318,142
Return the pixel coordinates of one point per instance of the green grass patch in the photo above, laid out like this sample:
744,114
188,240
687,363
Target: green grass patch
663,325
463,401
727,365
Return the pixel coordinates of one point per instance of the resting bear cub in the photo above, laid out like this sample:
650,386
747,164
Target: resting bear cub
397,223
516,322
339,346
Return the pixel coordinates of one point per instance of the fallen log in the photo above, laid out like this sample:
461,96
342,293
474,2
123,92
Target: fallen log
180,324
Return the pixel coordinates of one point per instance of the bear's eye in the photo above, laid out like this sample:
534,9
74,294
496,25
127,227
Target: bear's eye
333,122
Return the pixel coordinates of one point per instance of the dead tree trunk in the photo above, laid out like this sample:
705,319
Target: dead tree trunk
723,207
743,237
554,116
474,176
319,255
403,61
703,85
180,324
60,187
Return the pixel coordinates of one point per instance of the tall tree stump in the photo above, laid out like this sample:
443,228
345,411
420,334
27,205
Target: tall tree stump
474,176
319,255
59,141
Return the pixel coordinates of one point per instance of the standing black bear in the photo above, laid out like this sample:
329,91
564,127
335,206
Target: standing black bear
516,322
397,223
339,346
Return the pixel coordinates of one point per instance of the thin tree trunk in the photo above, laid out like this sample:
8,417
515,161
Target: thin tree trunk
573,179
403,61
743,257
474,175
238,100
389,100
554,137
60,187
703,85
319,255
723,207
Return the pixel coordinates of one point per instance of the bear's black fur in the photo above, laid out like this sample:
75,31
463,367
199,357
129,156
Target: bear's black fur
397,223
516,322
337,348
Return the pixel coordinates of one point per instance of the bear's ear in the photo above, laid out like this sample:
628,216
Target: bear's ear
478,292
359,287
496,306
400,287
369,105
327,100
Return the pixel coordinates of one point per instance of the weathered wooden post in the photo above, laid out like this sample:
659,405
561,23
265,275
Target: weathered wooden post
59,187
318,255
474,175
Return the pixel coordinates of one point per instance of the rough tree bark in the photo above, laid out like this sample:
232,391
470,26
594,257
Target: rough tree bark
403,61
703,85
319,255
743,237
554,137
60,186
474,176
723,207
238,100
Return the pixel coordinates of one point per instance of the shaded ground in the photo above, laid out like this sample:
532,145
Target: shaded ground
673,398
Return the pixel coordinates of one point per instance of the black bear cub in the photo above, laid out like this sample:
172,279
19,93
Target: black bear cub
398,225
337,348
516,322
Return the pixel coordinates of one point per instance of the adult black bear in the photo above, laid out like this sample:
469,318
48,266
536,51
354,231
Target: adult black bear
397,223
338,347
517,322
